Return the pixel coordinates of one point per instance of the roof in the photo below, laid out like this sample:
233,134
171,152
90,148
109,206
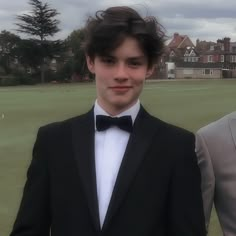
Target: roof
178,41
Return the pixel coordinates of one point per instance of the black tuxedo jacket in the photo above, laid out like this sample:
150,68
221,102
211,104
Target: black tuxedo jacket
157,191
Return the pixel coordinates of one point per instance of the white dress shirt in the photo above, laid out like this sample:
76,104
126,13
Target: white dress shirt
110,146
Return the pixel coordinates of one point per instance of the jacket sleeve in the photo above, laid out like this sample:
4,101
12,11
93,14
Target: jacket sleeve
207,174
186,207
33,217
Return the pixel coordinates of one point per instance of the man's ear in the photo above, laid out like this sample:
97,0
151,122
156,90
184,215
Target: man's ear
150,72
90,64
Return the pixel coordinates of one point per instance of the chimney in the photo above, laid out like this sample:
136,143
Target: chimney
197,42
176,35
227,44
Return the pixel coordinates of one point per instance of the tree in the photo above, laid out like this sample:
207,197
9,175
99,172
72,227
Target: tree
29,53
78,62
8,47
40,24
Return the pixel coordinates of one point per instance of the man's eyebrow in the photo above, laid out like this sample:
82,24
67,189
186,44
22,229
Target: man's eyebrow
106,55
141,57
137,57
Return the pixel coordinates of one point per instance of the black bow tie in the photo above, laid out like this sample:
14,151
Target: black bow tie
105,122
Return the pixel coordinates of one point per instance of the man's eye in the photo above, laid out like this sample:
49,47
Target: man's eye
107,60
135,63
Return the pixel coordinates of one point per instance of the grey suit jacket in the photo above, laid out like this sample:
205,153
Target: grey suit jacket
216,151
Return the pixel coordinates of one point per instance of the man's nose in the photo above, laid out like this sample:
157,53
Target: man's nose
121,71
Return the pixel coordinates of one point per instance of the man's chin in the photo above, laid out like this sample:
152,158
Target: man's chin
122,105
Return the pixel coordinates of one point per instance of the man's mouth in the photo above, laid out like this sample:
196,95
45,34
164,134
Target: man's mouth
121,88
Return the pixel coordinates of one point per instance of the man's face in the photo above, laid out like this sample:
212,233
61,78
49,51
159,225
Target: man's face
120,76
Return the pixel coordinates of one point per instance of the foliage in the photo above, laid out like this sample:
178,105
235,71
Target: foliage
19,78
40,24
34,55
29,54
8,47
77,64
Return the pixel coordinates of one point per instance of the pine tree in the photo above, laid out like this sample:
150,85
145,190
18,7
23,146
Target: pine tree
40,24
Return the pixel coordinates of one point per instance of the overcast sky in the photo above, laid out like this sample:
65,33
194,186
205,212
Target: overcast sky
204,19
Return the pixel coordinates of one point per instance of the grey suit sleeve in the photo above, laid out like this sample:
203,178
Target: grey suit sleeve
207,175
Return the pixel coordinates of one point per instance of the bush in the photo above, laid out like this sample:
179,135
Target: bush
9,81
18,78
25,78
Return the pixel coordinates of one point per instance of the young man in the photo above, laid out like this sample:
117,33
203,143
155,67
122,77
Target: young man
216,151
116,170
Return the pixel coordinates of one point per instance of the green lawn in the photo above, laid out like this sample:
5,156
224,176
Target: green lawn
190,104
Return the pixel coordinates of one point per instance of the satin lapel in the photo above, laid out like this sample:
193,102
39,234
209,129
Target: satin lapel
232,123
83,142
139,141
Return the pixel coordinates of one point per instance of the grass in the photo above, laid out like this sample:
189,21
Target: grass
190,104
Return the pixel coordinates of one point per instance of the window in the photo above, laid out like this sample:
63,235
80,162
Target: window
233,49
188,71
222,58
233,58
207,72
210,58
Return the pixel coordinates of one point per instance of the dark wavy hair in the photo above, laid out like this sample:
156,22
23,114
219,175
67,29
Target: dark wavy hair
107,30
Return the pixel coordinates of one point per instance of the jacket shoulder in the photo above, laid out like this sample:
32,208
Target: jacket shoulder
217,126
172,131
59,127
